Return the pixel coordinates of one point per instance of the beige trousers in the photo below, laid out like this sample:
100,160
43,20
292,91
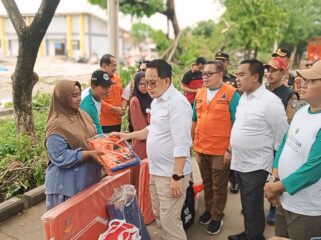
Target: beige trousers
166,208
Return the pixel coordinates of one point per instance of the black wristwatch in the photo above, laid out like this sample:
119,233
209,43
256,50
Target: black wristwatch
177,177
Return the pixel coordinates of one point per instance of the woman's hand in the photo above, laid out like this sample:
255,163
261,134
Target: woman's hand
92,155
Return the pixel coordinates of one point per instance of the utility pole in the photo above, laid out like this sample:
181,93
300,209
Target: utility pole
112,44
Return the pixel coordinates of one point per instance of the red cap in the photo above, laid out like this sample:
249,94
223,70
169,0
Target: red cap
277,63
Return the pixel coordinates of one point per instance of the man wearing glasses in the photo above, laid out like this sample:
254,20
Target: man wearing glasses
214,113
296,189
168,148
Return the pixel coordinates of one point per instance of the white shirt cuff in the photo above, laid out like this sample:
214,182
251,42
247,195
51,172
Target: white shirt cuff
182,151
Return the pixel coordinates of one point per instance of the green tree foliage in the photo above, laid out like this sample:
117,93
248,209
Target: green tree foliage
141,31
138,8
254,24
203,40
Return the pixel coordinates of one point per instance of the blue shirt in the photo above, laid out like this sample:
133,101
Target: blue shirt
68,174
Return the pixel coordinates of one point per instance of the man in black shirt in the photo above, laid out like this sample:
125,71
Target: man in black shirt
276,69
227,78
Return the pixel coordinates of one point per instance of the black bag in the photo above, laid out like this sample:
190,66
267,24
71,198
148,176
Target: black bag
188,210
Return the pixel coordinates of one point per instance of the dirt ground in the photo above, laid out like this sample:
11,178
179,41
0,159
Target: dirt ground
49,70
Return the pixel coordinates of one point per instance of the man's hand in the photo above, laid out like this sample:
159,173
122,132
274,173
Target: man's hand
118,110
227,158
272,191
177,188
275,173
123,136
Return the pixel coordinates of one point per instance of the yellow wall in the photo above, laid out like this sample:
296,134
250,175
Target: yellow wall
3,35
82,35
70,50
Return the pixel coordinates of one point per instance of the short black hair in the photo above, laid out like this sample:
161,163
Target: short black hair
106,58
256,67
200,60
218,63
164,69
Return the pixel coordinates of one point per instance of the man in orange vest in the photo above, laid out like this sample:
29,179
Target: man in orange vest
111,110
214,113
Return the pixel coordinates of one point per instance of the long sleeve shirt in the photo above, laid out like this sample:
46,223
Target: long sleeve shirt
169,133
257,131
67,174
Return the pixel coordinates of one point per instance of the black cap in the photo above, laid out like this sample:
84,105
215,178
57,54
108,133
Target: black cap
222,56
282,52
100,78
200,60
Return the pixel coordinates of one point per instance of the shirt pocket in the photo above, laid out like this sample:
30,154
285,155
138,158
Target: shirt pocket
222,111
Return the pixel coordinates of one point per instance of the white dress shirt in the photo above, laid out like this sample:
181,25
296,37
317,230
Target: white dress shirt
258,130
169,133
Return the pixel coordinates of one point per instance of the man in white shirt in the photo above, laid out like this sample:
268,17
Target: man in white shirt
168,148
257,132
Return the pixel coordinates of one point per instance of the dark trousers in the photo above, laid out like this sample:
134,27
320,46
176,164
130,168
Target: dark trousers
109,129
232,177
252,197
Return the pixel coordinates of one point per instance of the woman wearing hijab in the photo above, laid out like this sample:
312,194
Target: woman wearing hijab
72,165
139,109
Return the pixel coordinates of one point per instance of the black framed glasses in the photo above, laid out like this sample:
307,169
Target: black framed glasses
208,74
151,83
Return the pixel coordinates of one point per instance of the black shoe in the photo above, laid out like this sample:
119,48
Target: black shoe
271,216
214,227
234,188
240,236
205,218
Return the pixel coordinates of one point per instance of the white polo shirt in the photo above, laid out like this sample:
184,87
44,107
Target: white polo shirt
260,124
169,133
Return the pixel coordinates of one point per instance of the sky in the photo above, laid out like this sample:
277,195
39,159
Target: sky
189,13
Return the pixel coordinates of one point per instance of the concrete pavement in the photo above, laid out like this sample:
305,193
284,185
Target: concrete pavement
28,225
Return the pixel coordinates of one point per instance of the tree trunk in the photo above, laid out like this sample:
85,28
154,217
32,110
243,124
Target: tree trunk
256,52
171,15
23,78
23,81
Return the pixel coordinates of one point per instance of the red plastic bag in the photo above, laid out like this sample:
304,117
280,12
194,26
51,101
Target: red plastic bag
120,230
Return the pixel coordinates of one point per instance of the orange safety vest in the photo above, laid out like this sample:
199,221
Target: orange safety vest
107,116
214,124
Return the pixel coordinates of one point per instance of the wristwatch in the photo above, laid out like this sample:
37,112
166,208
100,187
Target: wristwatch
272,178
177,177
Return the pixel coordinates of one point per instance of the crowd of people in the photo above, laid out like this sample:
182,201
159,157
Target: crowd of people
250,129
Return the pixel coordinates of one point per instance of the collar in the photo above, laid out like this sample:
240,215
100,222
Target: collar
258,92
92,96
167,93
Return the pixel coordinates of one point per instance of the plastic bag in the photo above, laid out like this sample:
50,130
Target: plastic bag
120,230
123,205
118,156
188,210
